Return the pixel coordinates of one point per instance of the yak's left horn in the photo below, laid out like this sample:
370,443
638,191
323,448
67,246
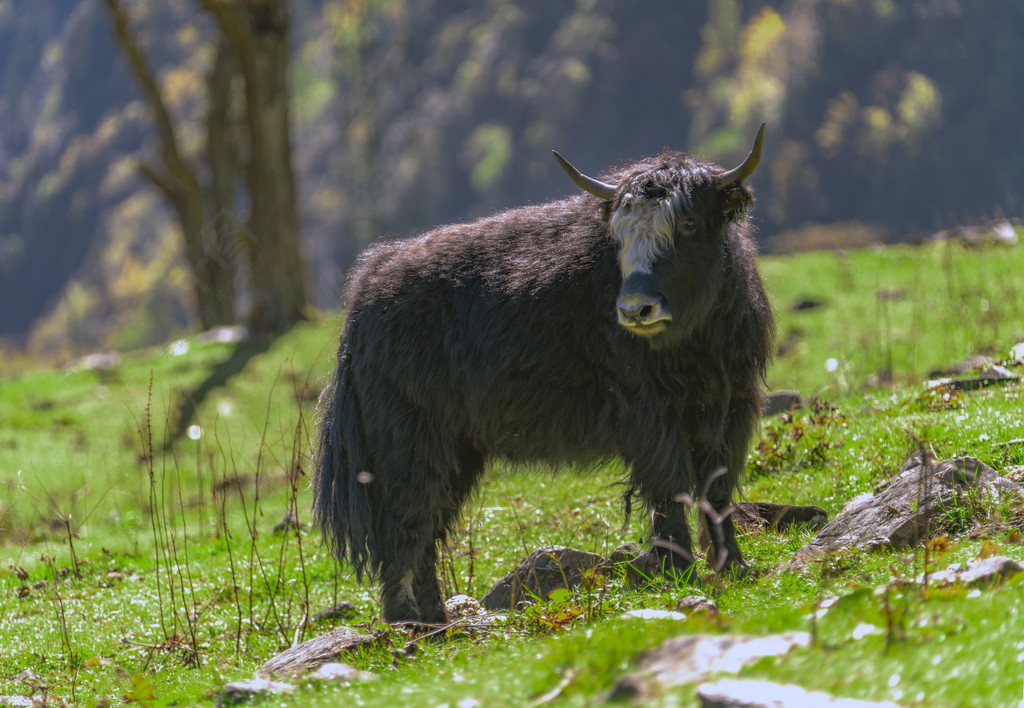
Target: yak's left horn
738,174
587,184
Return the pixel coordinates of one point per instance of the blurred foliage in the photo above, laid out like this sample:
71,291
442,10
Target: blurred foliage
891,119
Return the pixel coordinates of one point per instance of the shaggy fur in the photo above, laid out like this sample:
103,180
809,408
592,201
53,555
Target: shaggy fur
499,339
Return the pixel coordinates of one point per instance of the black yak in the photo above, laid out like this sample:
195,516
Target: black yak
627,320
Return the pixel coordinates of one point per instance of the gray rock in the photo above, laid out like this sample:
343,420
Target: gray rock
1004,233
544,570
653,614
342,609
734,693
782,402
20,701
756,516
985,571
341,673
242,691
695,604
910,509
693,658
459,606
314,653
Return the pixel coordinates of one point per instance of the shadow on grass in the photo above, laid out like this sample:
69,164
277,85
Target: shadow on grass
243,352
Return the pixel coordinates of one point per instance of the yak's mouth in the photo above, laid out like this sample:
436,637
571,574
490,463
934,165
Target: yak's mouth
645,330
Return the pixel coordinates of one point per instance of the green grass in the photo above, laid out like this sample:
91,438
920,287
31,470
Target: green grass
141,567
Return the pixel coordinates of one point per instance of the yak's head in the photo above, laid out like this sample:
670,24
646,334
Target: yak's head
671,216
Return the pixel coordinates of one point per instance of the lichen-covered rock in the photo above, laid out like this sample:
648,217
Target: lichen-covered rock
694,657
242,691
314,653
913,507
544,570
734,693
984,571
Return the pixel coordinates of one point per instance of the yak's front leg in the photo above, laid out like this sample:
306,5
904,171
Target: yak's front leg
670,539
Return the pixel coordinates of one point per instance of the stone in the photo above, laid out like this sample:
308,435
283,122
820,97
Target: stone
462,606
242,691
993,374
544,570
782,402
756,516
27,701
984,571
910,509
341,609
695,604
694,657
314,653
1003,233
341,673
653,614
736,693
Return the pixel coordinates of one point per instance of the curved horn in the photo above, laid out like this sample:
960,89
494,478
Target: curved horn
587,184
738,174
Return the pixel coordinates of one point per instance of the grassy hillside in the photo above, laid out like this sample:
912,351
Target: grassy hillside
140,566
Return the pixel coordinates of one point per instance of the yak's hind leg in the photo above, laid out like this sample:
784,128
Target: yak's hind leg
447,507
427,506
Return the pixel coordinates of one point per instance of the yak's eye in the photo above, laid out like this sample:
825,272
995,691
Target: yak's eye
688,226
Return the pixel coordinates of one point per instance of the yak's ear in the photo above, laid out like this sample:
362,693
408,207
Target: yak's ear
735,200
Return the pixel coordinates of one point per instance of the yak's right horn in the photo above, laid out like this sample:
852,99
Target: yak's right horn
747,167
588,184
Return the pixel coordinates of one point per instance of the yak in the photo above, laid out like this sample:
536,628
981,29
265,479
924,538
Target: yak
628,320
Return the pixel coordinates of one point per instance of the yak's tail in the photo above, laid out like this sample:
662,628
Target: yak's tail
341,505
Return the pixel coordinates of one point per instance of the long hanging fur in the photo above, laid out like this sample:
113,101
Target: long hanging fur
499,339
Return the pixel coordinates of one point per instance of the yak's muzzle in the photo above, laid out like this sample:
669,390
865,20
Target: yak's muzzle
643,313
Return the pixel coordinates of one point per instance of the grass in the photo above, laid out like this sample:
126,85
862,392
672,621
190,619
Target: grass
140,566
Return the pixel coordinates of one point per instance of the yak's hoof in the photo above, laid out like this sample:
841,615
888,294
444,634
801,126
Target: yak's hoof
741,571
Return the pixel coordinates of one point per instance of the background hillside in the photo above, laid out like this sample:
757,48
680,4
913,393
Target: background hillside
889,119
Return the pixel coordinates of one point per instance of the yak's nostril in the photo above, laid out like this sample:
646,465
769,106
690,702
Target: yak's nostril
645,311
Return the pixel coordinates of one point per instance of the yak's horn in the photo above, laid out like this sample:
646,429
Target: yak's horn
738,174
587,184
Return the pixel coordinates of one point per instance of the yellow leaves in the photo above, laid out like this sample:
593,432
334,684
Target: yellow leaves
489,147
761,38
920,104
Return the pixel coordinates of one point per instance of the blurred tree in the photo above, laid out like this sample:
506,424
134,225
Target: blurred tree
251,47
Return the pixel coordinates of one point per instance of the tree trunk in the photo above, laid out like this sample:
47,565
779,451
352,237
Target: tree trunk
258,33
215,302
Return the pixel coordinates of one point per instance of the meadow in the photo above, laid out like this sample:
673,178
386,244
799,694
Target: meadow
156,542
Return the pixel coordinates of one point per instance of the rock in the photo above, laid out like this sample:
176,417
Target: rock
544,570
653,614
242,691
461,606
1017,353
976,363
341,673
314,653
97,361
985,571
288,522
756,516
782,402
805,303
695,604
27,701
735,693
694,657
227,334
342,609
1003,233
641,566
994,374
907,511
625,553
